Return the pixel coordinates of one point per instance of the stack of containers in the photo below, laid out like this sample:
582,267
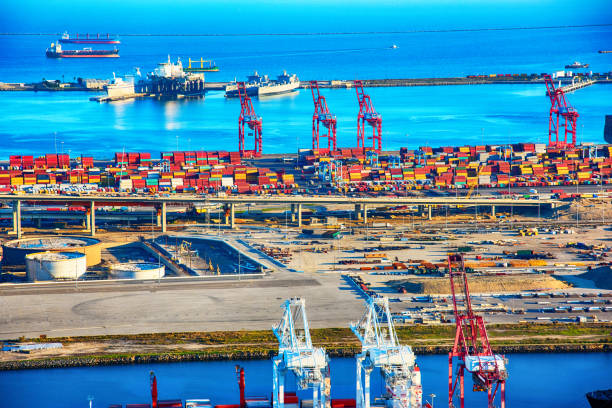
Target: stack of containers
15,162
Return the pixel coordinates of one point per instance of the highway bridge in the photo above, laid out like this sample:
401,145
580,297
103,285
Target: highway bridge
160,203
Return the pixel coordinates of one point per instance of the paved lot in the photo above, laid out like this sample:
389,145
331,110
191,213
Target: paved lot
205,307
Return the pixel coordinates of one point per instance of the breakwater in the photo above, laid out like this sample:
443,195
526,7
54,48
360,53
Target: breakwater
56,86
349,351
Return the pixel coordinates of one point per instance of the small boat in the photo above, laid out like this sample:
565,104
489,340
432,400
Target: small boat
577,64
393,46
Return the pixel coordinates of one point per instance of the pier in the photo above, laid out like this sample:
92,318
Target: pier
577,85
326,83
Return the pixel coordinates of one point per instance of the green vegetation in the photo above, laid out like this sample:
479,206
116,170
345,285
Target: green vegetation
261,344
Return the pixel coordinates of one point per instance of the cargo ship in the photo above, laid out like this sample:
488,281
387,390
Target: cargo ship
210,66
577,64
284,83
66,39
56,51
257,85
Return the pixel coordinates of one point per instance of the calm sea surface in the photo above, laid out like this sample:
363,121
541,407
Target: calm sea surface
36,123
535,380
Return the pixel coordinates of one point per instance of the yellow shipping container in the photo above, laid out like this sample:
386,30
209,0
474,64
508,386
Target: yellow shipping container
16,181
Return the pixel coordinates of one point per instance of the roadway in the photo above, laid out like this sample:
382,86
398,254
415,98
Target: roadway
294,199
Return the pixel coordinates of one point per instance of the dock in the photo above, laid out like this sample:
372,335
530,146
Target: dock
577,85
105,98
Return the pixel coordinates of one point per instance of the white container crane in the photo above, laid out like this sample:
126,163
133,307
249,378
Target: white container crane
309,365
381,349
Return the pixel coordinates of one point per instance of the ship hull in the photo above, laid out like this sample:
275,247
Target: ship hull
233,93
277,89
90,41
62,55
600,398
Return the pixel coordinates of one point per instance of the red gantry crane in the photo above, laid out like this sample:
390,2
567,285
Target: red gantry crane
323,116
367,113
471,350
248,117
560,107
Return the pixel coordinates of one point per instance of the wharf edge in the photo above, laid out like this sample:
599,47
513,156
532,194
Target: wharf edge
350,351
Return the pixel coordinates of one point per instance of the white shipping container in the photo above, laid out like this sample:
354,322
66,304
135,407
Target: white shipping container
125,184
227,181
487,363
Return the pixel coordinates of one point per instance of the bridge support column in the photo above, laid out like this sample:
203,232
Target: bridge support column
232,215
39,223
88,219
158,216
17,218
429,212
164,223
92,220
299,214
357,211
365,214
292,212
493,211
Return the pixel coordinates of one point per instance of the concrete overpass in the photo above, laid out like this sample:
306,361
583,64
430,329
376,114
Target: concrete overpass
160,203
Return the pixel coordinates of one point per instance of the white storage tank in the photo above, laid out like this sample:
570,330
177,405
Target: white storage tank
42,266
138,270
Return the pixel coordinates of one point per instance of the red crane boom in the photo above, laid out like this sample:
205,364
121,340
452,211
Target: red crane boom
471,349
153,382
322,115
560,107
368,114
249,118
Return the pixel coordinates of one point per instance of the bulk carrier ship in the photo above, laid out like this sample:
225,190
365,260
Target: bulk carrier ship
66,39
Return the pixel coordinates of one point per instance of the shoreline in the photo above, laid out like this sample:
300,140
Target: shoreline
202,356
261,344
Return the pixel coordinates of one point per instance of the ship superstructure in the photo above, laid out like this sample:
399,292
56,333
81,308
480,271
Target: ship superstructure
169,79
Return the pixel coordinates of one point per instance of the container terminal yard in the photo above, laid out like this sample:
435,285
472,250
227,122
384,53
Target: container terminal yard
457,237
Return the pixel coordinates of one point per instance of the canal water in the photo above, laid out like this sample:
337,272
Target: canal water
535,380
38,123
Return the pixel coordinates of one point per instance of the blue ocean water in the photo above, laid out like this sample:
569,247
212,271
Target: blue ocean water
36,123
535,380
325,57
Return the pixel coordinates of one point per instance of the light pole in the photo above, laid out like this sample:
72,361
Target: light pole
432,399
